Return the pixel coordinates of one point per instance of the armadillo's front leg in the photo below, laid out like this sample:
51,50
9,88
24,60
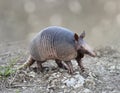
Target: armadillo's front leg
80,55
28,63
60,64
70,67
80,64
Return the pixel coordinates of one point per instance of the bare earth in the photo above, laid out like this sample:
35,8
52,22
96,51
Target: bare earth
102,73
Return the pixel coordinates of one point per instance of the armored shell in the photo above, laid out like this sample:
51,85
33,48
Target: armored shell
53,43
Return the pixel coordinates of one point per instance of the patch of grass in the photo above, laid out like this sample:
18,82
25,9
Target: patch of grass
9,69
17,91
6,71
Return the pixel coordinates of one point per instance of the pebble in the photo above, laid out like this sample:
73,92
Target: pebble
75,82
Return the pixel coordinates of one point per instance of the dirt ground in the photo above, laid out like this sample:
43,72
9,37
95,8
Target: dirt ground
102,74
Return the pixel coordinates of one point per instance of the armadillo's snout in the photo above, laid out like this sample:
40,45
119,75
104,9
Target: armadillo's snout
89,50
93,54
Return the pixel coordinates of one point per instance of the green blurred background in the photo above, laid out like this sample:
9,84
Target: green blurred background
22,19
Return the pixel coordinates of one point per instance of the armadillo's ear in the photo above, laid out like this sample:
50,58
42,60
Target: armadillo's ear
82,34
76,37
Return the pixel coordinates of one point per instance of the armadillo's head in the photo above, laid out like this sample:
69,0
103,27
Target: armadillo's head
82,46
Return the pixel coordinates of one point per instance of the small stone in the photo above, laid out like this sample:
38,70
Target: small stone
63,86
118,67
32,74
89,83
75,82
92,75
87,91
80,81
112,67
70,82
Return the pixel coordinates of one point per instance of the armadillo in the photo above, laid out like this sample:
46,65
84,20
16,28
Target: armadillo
59,44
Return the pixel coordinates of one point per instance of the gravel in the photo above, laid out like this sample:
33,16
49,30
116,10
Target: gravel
102,74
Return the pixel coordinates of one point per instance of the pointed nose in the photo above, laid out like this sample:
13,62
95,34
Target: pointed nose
93,54
90,51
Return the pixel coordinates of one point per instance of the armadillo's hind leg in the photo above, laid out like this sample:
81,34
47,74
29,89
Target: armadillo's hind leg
60,64
70,67
28,63
39,66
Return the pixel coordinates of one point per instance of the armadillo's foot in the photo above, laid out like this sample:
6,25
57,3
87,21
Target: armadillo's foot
28,63
60,64
70,67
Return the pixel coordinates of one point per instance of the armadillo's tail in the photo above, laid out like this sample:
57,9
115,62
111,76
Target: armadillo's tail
28,63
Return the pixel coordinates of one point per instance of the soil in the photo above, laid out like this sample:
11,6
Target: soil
102,74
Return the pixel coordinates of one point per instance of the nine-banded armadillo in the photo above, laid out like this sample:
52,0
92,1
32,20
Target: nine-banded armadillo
59,44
